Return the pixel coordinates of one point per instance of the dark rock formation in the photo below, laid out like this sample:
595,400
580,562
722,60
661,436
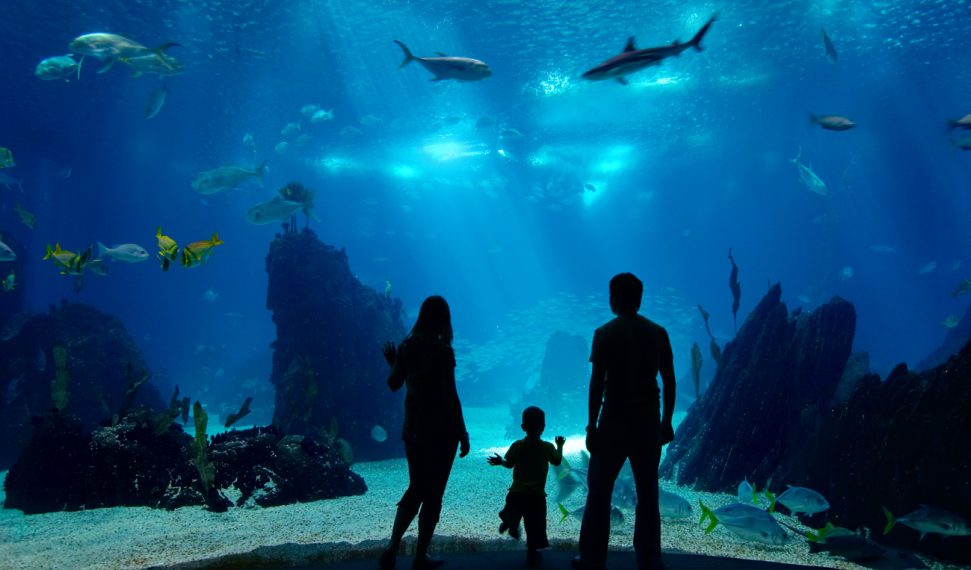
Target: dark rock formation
771,393
564,381
144,460
101,362
898,444
953,342
327,361
269,468
856,368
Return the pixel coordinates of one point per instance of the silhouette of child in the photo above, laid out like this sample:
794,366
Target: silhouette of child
529,458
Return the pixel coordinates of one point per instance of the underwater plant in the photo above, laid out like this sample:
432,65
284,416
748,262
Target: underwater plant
331,437
165,418
133,386
236,416
297,192
59,393
207,473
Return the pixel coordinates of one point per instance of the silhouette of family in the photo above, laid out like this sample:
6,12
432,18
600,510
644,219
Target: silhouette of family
625,422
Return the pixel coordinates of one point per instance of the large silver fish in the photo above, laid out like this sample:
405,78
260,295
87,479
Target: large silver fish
226,177
447,67
59,67
112,46
276,210
632,60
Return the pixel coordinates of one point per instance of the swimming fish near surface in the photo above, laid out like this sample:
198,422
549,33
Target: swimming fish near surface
832,122
445,67
632,60
225,178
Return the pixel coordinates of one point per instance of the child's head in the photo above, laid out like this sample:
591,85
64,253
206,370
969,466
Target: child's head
534,421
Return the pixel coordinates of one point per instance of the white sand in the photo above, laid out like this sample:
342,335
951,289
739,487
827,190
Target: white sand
142,537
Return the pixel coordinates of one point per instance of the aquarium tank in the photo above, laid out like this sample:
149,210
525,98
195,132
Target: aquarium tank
215,214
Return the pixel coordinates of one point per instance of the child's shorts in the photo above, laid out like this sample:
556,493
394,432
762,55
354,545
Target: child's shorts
532,510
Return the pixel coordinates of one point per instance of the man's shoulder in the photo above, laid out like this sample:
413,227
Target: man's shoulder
637,321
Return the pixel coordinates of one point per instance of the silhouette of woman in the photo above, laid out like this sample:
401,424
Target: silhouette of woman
425,364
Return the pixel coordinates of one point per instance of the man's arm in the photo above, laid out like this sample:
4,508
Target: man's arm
597,382
669,389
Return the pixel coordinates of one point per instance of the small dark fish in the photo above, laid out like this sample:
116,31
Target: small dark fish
705,315
156,99
832,122
736,289
243,411
830,48
962,123
716,352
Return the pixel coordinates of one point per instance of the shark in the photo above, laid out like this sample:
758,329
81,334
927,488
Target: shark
632,60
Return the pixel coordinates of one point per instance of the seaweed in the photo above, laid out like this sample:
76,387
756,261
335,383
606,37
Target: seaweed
59,392
207,473
131,392
165,418
332,438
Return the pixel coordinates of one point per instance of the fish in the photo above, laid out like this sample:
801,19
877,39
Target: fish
716,352
379,434
632,60
846,273
160,64
225,178
567,481
290,130
236,416
803,500
736,289
302,140
927,268
370,120
962,123
210,296
950,322
155,101
98,266
282,147
127,252
828,44
58,67
6,252
168,249
444,67
963,143
111,47
510,134
6,158
616,515
387,289
673,506
746,493
963,287
745,521
68,262
309,110
696,368
276,210
927,520
809,178
9,282
832,122
27,217
321,116
198,252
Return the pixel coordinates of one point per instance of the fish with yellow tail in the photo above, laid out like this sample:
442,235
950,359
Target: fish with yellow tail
68,262
168,250
9,282
198,252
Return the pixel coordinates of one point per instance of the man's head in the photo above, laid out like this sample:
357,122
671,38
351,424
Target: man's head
534,421
625,294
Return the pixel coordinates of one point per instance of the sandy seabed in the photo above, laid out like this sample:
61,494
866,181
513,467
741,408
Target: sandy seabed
137,537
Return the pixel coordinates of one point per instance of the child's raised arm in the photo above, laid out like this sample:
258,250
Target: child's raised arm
497,460
558,453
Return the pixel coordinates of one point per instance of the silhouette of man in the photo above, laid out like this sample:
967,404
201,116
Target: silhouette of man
627,355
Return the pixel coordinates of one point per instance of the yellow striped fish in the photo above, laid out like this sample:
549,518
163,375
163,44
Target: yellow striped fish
198,252
68,262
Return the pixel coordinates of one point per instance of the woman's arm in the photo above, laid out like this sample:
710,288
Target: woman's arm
396,378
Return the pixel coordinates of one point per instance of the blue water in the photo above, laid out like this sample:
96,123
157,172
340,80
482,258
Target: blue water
690,159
